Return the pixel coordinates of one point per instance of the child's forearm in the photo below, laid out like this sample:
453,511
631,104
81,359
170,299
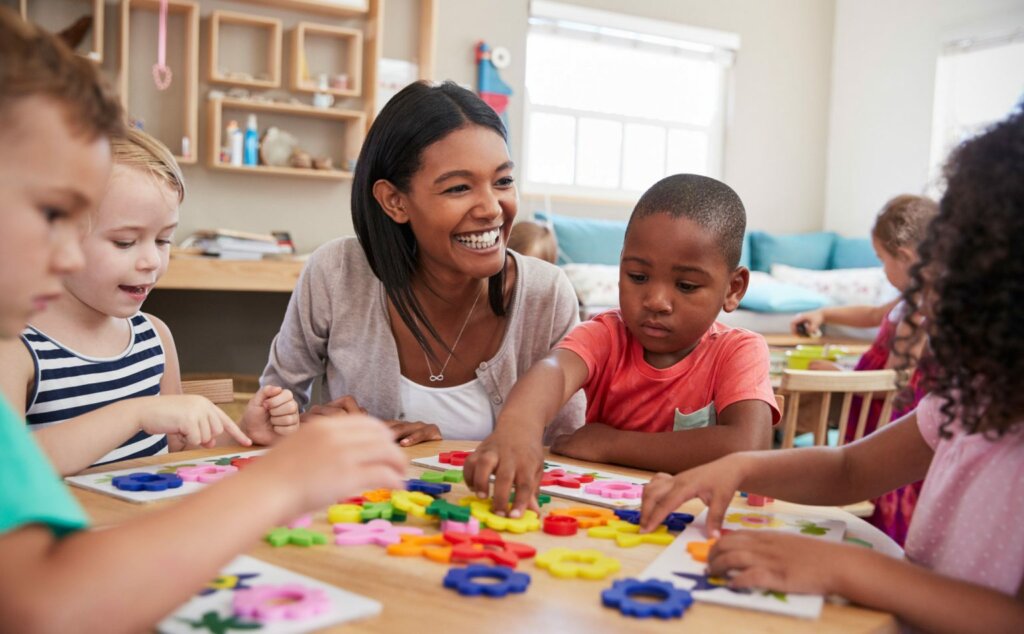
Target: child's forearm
77,443
928,601
857,316
676,451
537,397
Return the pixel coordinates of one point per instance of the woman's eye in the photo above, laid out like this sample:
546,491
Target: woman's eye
508,181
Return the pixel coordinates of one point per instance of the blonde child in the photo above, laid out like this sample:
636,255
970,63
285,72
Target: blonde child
660,363
97,378
964,570
534,239
54,122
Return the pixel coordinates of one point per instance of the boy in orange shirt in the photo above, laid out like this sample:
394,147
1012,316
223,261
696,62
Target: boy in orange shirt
660,363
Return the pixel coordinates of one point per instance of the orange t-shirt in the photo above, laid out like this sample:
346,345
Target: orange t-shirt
623,390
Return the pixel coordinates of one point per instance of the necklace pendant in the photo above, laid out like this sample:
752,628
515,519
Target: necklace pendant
435,378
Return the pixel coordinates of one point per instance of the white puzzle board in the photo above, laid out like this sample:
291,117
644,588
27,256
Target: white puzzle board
247,571
564,492
101,482
676,559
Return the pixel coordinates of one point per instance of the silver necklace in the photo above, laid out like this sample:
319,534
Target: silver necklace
439,377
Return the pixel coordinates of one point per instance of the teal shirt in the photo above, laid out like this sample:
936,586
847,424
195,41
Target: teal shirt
32,492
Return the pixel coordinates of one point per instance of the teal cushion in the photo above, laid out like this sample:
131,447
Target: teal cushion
766,295
802,250
745,254
853,253
807,440
585,240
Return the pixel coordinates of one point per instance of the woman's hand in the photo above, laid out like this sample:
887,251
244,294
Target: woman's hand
409,433
776,561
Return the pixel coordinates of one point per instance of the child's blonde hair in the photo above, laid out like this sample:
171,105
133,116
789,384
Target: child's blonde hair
532,238
139,150
903,221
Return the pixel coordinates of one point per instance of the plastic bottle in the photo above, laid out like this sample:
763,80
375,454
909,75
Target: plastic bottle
252,142
234,143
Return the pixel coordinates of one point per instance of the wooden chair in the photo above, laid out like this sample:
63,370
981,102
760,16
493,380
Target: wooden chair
219,391
869,385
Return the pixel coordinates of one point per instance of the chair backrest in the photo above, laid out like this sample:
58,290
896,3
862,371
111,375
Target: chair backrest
217,390
868,385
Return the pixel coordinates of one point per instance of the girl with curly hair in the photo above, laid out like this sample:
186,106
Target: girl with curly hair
965,562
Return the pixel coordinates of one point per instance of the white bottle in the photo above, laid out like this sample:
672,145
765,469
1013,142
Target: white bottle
235,142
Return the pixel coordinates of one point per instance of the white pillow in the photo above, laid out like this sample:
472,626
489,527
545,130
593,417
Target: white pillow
595,284
844,286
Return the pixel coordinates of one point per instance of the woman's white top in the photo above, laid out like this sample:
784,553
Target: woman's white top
462,412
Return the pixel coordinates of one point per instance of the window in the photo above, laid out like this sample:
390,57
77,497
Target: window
615,102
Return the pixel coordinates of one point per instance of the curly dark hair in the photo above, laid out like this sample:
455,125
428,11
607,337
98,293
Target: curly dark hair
969,285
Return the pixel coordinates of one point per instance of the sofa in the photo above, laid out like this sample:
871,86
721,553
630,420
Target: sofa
789,273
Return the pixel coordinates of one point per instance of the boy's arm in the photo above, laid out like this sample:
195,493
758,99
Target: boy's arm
743,426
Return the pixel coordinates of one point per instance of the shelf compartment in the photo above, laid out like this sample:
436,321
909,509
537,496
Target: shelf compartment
221,25
307,67
56,16
336,8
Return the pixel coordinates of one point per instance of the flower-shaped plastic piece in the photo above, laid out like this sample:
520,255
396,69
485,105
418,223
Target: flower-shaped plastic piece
445,510
379,532
488,545
470,527
290,602
205,473
454,458
147,482
676,522
672,601
448,475
754,520
567,564
304,521
586,516
462,581
615,489
430,488
296,536
382,511
564,525
229,582
699,550
562,478
377,495
433,547
628,535
241,463
542,498
481,509
344,514
411,502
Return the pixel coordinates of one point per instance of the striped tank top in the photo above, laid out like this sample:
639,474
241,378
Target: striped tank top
69,384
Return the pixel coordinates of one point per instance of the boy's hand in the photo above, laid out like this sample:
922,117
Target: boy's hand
714,483
514,459
271,412
409,433
777,561
590,443
339,406
193,419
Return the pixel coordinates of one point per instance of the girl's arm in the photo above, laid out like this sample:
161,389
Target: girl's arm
170,382
513,453
853,316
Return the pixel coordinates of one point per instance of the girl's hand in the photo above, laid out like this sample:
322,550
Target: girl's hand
339,406
271,412
194,421
409,433
776,561
808,324
715,483
514,459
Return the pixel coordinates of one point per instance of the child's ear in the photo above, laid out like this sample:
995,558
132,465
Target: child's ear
391,201
906,255
738,281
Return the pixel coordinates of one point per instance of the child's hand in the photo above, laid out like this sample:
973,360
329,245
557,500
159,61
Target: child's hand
808,324
331,458
589,442
513,459
339,406
776,561
714,483
409,433
195,420
271,412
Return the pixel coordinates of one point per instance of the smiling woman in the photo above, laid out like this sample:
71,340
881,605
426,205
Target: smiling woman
395,321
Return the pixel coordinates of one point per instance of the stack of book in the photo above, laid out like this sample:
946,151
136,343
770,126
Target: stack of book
238,245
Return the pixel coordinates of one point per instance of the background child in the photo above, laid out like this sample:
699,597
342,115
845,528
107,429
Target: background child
534,239
899,229
660,363
98,379
965,566
54,123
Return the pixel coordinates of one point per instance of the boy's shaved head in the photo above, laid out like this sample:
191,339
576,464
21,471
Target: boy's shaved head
709,203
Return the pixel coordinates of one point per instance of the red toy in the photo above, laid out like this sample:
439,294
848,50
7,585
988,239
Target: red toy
559,477
488,544
561,525
454,458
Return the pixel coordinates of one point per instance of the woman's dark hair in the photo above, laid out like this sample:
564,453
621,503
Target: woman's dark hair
972,284
420,115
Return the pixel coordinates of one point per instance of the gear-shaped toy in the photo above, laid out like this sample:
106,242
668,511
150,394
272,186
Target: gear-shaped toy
673,601
462,580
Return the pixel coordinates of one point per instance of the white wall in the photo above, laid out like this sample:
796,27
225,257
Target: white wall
883,79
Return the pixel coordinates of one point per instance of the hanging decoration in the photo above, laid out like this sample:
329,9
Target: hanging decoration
161,72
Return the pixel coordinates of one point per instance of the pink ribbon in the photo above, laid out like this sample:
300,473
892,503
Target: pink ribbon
161,73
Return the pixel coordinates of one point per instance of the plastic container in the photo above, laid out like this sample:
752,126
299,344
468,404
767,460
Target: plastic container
234,143
252,142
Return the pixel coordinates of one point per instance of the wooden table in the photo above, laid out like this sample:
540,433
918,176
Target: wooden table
414,599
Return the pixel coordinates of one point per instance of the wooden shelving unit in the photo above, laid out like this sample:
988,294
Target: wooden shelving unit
337,8
351,60
95,53
272,26
354,120
213,274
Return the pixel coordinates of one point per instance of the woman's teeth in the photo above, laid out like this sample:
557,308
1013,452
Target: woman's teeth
483,240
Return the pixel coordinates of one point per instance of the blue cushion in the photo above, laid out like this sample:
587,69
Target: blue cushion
765,295
585,240
853,253
802,250
745,253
